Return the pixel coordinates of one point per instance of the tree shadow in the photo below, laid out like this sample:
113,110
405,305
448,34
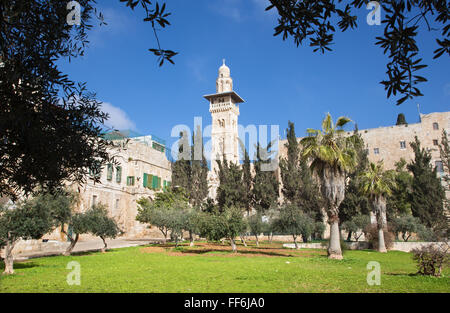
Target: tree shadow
19,265
239,252
404,274
94,251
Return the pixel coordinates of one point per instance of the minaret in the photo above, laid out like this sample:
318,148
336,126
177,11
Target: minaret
224,108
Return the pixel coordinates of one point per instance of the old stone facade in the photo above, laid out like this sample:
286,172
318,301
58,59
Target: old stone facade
142,170
391,143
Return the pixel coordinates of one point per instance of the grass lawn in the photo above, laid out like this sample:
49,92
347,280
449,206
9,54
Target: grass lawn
214,268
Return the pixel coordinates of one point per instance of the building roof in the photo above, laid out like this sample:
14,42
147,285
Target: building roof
233,95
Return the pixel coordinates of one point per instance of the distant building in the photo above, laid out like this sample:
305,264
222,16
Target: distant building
390,143
142,170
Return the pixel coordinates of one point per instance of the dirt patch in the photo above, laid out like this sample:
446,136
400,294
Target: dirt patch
153,250
226,251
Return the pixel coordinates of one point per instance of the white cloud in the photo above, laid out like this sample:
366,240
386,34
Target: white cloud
447,89
197,67
118,119
238,11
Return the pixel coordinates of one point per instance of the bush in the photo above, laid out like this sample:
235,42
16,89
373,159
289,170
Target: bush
431,259
407,225
371,233
356,225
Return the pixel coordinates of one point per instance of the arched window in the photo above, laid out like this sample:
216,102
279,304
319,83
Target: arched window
435,126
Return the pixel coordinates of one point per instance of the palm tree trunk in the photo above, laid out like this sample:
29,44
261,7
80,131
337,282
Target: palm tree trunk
334,250
191,239
381,245
333,190
380,209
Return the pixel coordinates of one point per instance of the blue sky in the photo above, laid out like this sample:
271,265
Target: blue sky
278,81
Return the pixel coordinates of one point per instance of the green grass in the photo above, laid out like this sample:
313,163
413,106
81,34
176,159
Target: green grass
308,270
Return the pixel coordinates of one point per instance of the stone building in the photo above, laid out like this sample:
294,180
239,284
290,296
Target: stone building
390,143
142,170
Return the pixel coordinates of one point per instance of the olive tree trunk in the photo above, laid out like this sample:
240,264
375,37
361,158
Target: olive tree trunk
164,232
72,244
103,250
9,258
233,244
243,240
257,241
295,241
332,187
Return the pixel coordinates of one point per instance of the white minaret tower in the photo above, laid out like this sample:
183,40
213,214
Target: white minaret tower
224,108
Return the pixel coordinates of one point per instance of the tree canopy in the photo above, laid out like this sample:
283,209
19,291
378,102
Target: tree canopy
316,20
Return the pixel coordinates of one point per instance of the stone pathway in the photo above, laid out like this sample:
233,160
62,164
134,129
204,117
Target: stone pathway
53,247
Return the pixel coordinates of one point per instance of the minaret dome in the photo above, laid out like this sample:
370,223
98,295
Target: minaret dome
224,82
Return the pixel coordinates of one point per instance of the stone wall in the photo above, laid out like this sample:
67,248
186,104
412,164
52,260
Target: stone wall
388,139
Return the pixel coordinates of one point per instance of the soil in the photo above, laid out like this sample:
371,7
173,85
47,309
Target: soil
269,250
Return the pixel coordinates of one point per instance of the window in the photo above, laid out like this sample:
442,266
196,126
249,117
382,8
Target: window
109,172
130,181
116,205
435,126
145,180
94,200
96,170
376,151
158,147
435,142
402,145
118,174
155,182
439,166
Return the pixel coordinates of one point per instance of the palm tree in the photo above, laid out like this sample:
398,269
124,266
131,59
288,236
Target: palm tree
332,156
377,184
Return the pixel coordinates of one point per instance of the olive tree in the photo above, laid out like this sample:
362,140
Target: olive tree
26,220
100,224
293,221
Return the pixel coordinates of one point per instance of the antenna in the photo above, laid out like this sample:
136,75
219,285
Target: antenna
418,110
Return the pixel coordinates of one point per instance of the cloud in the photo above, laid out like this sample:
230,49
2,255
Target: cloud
447,89
239,10
227,8
197,67
118,119
118,23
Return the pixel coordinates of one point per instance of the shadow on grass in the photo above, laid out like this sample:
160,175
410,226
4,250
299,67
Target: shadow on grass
250,252
405,274
96,251
19,265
